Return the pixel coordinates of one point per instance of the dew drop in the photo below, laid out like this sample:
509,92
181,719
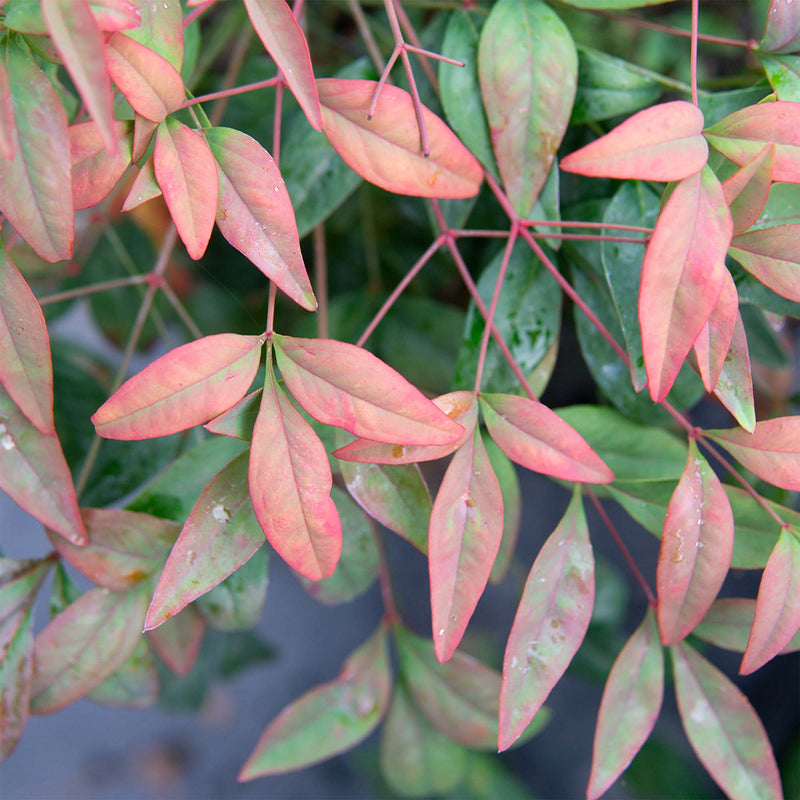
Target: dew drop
220,513
441,631
453,618
191,557
542,580
3,428
7,442
700,545
514,662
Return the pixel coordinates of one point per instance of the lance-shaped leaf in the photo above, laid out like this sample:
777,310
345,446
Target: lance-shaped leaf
682,275
712,344
149,82
782,31
723,729
772,256
747,190
734,388
660,143
186,387
7,123
95,172
143,131
286,43
35,190
220,535
239,420
771,451
344,385
742,135
629,708
161,29
783,73
528,69
290,484
178,640
386,149
506,474
777,615
85,644
144,187
187,174
255,212
529,433
329,719
110,15
551,621
134,685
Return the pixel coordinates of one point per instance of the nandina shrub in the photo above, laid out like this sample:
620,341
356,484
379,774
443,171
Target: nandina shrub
556,171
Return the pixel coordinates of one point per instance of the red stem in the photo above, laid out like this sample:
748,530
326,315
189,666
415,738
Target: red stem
693,61
249,87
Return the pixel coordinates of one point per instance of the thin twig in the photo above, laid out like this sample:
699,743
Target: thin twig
321,280
181,311
693,58
83,291
362,23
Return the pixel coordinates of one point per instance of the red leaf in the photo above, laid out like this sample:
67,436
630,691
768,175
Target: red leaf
773,257
660,143
724,731
746,191
344,385
255,212
696,549
529,433
386,150
777,617
286,43
186,387
7,123
682,275
187,174
290,484
550,623
630,706
734,388
178,640
711,346
463,538
782,31
144,187
94,171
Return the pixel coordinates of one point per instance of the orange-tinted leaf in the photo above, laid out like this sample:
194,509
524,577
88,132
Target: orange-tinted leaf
630,706
386,150
682,275
161,29
144,187
777,615
734,388
550,623
329,719
186,387
7,123
463,539
782,31
773,256
696,549
746,191
660,143
344,385
724,731
255,212
711,346
178,640
772,451
94,171
187,174
529,433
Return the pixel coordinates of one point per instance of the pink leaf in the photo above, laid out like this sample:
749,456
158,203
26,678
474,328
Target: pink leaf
711,346
386,149
746,191
144,187
115,15
238,421
550,623
772,256
255,212
734,388
143,130
777,616
682,275
186,387
187,174
286,43
660,143
696,549
464,536
7,123
178,640
94,171
782,31
344,385
529,433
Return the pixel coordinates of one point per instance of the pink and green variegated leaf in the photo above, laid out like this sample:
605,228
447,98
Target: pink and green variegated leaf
528,68
329,719
144,187
186,387
220,535
95,172
187,175
161,29
734,388
771,451
239,420
629,708
78,40
696,549
35,186
115,15
712,344
124,547
149,82
7,123
26,370
742,135
286,43
782,31
134,685
728,622
723,729
746,191
772,256
660,143
682,275
255,212
777,615
386,149
506,474
35,475
19,583
85,644
550,623
290,485
143,131
344,385
463,538
178,640
535,437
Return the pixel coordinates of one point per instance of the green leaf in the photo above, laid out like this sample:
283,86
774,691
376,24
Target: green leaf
63,592
613,5
783,72
161,29
133,685
506,474
488,779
